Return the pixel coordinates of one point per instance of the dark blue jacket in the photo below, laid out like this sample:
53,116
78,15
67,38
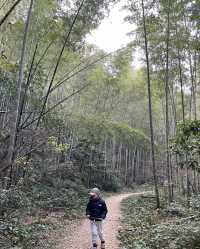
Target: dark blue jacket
96,209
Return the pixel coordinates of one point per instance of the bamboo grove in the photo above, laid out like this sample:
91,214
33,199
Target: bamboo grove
62,100
66,103
169,34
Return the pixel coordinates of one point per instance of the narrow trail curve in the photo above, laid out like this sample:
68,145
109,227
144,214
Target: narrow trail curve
80,237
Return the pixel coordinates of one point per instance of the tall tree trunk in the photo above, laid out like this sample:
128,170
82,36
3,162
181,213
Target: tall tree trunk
20,93
172,172
134,165
195,180
173,106
167,105
113,153
105,157
193,93
188,184
182,180
150,109
126,166
181,82
119,160
23,100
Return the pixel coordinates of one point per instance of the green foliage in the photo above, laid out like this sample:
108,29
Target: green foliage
92,133
145,227
176,209
111,183
130,135
55,194
195,202
186,143
183,236
96,130
19,236
140,244
187,135
11,199
138,218
53,143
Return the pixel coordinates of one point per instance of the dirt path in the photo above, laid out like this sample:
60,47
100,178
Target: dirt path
80,233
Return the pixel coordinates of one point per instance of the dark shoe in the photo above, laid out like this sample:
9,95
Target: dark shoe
103,245
94,246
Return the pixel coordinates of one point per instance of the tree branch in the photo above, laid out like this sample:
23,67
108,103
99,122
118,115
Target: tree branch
9,12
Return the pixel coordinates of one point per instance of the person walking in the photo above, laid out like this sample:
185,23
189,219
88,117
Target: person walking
96,212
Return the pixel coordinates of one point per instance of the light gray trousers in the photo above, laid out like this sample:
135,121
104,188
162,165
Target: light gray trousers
97,231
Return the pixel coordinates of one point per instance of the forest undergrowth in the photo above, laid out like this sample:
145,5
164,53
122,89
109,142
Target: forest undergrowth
172,226
33,214
73,116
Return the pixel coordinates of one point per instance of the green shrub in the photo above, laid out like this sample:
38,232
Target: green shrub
13,199
195,202
112,184
144,227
